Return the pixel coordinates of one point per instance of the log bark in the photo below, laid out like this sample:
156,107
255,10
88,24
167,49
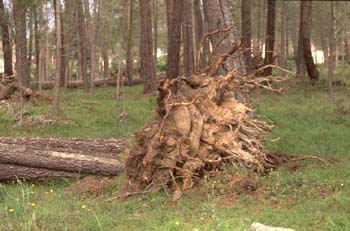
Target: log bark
11,172
48,158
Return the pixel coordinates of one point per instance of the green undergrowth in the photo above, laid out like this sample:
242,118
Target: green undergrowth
94,115
305,195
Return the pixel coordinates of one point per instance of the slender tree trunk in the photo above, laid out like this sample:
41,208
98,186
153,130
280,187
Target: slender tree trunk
6,42
336,58
94,39
37,40
270,35
147,70
155,31
300,61
324,48
129,39
188,59
287,33
174,13
332,39
347,48
283,35
82,56
259,40
104,40
31,39
43,67
306,7
22,67
63,56
246,32
68,39
58,21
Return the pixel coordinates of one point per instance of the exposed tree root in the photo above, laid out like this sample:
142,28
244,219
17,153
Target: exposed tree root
199,128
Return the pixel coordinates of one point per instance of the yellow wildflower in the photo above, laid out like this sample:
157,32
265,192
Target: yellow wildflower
177,222
33,204
83,206
11,210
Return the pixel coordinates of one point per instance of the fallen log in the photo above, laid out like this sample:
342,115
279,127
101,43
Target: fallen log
75,156
47,85
11,172
110,148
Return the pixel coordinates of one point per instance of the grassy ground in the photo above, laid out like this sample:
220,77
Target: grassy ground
314,197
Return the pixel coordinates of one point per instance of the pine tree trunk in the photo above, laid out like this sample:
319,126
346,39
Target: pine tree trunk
22,66
174,13
300,60
331,40
155,32
306,7
82,52
147,69
283,35
347,48
58,21
188,59
6,42
270,35
129,40
246,32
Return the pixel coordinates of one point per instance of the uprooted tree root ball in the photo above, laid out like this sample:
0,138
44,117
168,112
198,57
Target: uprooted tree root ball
199,127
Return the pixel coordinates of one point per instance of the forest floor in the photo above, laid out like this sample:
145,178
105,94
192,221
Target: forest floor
307,196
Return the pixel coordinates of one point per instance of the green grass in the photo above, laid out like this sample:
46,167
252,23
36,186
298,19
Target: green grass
315,197
88,115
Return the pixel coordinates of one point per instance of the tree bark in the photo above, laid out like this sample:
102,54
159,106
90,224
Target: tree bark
82,52
188,59
58,21
347,48
306,7
155,32
147,69
270,35
300,60
104,40
98,157
11,172
22,67
283,55
174,10
246,32
129,39
6,42
331,40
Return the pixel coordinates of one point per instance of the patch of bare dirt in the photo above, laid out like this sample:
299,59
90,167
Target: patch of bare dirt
91,186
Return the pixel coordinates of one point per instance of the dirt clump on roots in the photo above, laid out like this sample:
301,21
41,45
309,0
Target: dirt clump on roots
200,127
